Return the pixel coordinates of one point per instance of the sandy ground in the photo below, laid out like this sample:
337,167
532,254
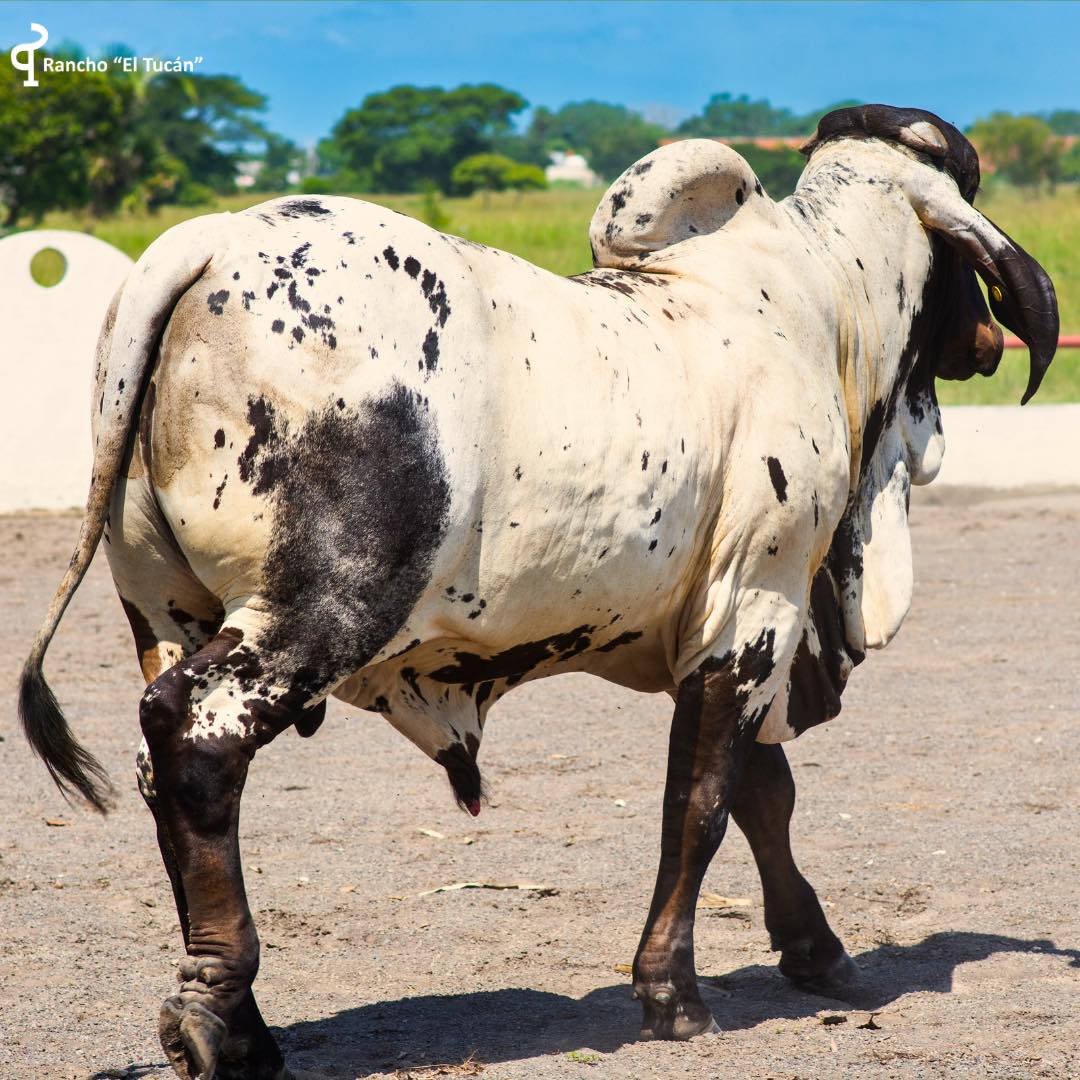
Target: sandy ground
937,819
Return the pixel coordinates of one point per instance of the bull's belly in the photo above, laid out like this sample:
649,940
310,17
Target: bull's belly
464,647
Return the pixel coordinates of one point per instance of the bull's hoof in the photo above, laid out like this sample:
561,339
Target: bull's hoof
201,1046
669,1015
192,1038
830,975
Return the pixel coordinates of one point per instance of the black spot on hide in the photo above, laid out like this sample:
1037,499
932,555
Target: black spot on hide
296,208
431,351
779,480
875,424
515,663
216,301
624,638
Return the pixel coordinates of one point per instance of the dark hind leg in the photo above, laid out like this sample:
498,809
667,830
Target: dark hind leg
203,720
811,955
711,734
166,630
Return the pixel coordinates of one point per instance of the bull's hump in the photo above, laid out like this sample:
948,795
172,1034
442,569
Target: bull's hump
678,192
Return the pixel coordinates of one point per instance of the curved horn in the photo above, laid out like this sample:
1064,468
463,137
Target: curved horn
1021,293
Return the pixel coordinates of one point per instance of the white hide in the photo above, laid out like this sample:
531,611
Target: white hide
653,457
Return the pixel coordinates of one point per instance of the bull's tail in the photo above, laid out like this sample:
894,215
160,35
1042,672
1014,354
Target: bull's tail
166,270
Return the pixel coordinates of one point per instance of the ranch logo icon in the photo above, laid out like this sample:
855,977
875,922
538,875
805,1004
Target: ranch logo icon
23,58
28,49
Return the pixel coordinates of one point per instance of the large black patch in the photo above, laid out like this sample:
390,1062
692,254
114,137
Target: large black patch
515,663
818,681
360,503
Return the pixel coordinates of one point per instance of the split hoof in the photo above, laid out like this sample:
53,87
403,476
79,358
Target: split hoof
199,1046
192,1038
831,979
669,1016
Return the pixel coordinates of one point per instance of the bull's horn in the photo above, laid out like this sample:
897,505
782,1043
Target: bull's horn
1021,293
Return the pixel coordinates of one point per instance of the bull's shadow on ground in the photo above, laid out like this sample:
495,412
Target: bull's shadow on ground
517,1023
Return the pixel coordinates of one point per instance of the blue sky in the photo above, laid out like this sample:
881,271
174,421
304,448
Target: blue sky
315,59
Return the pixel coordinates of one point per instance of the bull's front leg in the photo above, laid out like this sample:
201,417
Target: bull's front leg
202,727
712,732
811,955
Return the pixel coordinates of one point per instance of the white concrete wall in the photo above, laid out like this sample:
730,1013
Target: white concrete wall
47,362
1006,446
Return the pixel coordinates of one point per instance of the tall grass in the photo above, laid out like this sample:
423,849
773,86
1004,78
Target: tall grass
549,228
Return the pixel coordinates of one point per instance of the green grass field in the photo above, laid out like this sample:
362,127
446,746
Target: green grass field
549,228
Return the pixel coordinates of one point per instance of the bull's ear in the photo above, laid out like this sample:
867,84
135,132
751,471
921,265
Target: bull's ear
1021,293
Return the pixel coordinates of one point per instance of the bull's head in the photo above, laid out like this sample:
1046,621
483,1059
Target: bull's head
966,340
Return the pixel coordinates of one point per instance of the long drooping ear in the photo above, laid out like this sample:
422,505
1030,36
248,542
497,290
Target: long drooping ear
1021,293
915,128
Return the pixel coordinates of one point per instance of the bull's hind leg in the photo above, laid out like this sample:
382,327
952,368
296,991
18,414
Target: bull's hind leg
172,616
711,734
811,955
203,720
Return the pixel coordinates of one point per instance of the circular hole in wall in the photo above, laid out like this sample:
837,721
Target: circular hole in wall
48,267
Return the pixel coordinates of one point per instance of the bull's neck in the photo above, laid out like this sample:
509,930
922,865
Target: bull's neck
878,255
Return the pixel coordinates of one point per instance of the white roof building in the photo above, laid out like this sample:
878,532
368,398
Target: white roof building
570,168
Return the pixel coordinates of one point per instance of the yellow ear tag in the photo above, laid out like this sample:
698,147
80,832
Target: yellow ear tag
996,293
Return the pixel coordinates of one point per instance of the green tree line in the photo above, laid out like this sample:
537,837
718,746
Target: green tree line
109,140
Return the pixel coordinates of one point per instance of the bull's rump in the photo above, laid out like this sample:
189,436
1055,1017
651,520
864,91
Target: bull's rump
305,437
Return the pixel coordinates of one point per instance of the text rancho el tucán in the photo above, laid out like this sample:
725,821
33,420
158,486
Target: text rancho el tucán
122,63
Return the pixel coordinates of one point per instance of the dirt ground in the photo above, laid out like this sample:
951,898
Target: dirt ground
937,819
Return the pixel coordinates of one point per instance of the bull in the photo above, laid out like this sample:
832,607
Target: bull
337,452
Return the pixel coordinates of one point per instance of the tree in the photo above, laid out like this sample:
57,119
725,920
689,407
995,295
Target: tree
778,170
725,115
610,137
63,142
1070,164
280,158
1063,121
1022,149
201,124
399,139
535,144
96,139
494,172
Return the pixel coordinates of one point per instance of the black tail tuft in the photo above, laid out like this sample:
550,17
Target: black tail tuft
464,776
70,766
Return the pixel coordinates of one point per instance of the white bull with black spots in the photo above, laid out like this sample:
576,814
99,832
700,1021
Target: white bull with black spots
338,452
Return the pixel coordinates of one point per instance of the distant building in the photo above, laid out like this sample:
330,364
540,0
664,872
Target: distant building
569,168
247,172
